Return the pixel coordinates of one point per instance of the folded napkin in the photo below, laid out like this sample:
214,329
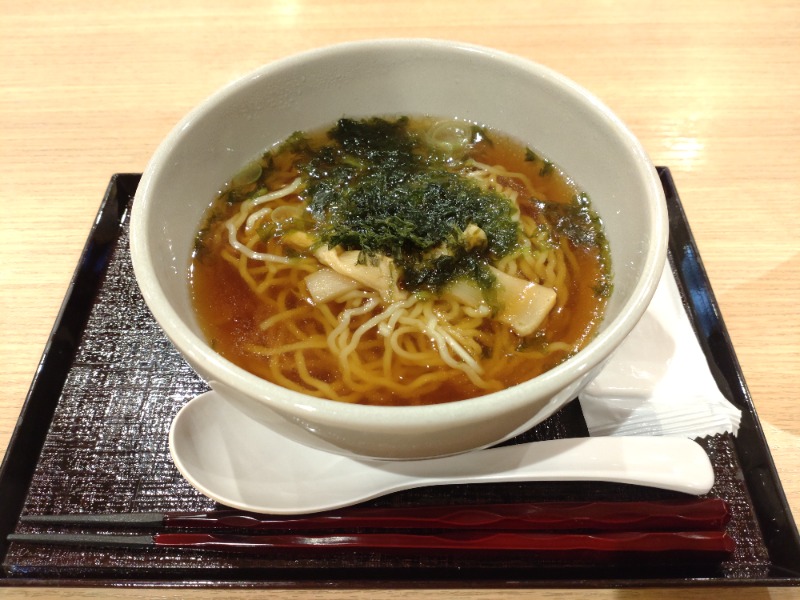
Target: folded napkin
658,381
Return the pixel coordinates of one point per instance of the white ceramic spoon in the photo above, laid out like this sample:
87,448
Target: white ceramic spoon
242,464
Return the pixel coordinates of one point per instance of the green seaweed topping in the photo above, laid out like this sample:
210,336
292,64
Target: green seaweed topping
377,190
576,220
547,168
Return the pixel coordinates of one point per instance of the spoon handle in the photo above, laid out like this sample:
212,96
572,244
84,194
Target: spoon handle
669,463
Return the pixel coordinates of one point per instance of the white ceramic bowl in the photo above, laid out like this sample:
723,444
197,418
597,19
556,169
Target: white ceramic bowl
539,107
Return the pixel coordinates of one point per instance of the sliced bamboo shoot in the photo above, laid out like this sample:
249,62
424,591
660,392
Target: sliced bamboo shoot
525,304
326,284
379,277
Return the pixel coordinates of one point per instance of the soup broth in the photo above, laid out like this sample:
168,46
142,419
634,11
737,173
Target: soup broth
400,261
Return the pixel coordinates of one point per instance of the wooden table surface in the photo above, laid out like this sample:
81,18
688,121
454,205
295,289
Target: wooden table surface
712,89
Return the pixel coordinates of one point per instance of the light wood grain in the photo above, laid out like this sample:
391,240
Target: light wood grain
711,88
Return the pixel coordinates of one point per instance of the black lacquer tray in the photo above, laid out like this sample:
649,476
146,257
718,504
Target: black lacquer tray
92,437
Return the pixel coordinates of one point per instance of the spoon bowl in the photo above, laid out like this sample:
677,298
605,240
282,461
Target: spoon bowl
240,463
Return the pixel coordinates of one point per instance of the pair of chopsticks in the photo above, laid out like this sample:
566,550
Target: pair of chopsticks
693,528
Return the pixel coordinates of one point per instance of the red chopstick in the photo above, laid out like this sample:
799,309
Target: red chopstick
690,529
678,515
695,545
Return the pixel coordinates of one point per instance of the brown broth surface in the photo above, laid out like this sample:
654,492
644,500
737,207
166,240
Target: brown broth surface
229,312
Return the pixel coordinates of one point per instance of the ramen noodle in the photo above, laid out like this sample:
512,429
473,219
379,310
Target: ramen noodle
400,261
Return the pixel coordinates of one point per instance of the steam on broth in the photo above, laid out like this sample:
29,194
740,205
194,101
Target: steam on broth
400,261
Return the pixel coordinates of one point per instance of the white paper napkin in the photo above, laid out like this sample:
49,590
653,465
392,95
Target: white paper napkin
658,381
